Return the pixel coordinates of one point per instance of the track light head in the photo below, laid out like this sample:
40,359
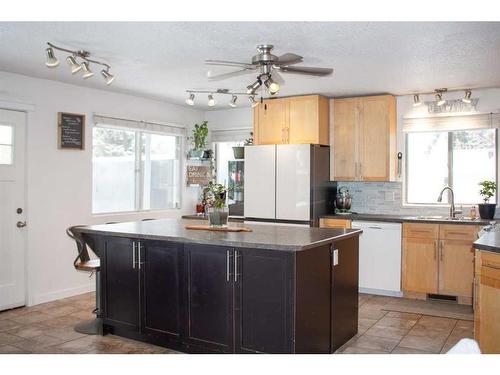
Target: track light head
416,100
232,103
52,60
252,101
251,89
190,100
272,86
467,98
75,67
211,100
87,73
108,77
439,97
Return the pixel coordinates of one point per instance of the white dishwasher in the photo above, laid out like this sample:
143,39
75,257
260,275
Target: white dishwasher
379,258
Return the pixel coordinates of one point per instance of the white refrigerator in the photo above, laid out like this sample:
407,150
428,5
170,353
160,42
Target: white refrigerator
286,183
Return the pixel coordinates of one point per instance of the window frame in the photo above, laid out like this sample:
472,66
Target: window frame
450,171
139,172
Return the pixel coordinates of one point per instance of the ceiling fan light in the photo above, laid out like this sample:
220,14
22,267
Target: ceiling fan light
87,73
52,60
253,102
272,86
211,100
190,100
416,100
467,98
75,67
108,77
232,103
251,89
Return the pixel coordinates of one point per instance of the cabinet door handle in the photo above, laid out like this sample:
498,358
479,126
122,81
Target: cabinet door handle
227,265
236,255
435,248
139,253
133,255
441,250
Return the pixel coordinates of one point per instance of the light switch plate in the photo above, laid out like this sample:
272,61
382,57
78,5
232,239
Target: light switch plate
335,257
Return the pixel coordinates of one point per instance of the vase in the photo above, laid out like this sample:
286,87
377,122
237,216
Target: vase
487,210
239,152
217,217
195,153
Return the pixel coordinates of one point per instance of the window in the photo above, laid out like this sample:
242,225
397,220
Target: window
134,170
460,159
6,144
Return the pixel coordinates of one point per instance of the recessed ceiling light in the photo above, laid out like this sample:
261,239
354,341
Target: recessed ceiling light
52,60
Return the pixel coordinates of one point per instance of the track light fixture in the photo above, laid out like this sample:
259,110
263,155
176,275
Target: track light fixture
416,100
272,86
232,103
251,89
467,98
52,60
75,66
190,100
211,100
439,97
253,102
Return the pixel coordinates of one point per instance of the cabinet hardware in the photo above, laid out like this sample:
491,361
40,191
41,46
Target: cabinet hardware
400,157
236,255
489,265
435,248
375,227
457,233
133,255
227,265
441,250
335,257
139,253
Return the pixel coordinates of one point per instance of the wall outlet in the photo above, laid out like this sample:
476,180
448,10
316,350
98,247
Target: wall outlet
389,196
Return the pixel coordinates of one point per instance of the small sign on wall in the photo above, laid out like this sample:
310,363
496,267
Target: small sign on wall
198,175
70,131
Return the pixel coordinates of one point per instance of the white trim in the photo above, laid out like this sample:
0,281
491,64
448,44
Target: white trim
15,106
381,292
62,293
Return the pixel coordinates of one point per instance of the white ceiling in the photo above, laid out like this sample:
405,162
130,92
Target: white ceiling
162,60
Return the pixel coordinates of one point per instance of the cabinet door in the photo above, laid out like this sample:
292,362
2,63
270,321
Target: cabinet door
161,288
209,306
271,121
456,268
263,289
420,265
377,137
345,135
120,283
303,120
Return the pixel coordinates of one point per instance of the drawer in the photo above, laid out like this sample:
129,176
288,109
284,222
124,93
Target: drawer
334,223
458,232
417,230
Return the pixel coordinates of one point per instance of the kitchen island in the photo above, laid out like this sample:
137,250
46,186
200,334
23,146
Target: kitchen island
276,289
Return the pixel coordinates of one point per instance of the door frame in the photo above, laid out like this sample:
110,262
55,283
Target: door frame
27,109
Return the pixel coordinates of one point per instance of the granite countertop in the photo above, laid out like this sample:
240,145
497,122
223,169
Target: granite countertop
490,241
404,218
271,237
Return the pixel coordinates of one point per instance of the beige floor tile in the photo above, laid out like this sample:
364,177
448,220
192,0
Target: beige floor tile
28,331
83,315
31,317
9,314
63,333
35,343
402,350
371,312
402,323
436,322
64,321
352,350
426,343
7,338
387,332
9,349
403,315
7,324
375,343
90,344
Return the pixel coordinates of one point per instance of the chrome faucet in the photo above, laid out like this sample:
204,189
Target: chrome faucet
453,212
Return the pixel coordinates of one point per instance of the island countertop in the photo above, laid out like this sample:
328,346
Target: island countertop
272,237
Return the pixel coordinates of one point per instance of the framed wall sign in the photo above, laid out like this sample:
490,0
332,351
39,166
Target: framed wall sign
198,175
70,131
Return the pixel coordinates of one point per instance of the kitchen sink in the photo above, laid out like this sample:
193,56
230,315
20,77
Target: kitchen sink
436,217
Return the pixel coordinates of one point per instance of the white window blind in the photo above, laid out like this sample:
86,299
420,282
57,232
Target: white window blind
146,126
231,135
452,123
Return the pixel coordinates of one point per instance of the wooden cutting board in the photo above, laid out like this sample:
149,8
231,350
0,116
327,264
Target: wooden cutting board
215,229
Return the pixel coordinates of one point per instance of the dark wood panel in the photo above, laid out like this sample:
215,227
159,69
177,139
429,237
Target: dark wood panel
162,288
312,305
264,293
209,297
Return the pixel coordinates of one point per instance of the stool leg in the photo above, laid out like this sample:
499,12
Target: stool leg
93,326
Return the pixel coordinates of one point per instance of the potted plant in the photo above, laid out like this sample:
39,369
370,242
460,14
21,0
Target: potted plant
239,151
217,210
198,140
486,209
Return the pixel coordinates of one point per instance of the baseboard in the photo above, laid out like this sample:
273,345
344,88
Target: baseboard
381,292
59,294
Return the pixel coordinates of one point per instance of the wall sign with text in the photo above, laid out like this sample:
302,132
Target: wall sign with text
198,175
70,131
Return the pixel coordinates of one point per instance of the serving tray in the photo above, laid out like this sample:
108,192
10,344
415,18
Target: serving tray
216,229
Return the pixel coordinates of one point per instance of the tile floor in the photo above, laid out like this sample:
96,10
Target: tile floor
48,328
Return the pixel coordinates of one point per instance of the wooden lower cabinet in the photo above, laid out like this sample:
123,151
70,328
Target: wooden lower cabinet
438,259
487,301
335,223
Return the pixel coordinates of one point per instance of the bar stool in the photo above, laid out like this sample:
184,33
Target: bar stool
83,263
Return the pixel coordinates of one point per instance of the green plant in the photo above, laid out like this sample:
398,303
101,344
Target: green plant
215,195
249,141
488,189
200,135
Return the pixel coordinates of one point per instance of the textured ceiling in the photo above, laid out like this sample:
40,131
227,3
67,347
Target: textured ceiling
162,60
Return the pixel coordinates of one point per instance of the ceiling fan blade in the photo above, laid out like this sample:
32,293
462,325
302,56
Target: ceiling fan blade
278,78
230,63
289,59
218,77
306,70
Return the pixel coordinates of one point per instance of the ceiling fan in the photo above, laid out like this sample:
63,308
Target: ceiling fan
268,67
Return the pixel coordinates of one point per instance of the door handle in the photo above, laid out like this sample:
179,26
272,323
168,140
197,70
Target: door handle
139,253
435,248
441,250
21,224
236,255
133,255
227,266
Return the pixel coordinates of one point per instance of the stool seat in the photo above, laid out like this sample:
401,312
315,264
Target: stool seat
92,265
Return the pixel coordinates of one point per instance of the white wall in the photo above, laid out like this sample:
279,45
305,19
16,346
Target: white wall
239,118
59,188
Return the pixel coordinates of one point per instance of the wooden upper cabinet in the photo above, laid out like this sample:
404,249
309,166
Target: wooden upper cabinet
294,120
364,139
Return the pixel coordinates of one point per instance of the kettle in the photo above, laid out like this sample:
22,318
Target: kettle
343,199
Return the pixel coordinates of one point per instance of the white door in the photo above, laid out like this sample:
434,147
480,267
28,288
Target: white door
293,182
12,216
260,181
